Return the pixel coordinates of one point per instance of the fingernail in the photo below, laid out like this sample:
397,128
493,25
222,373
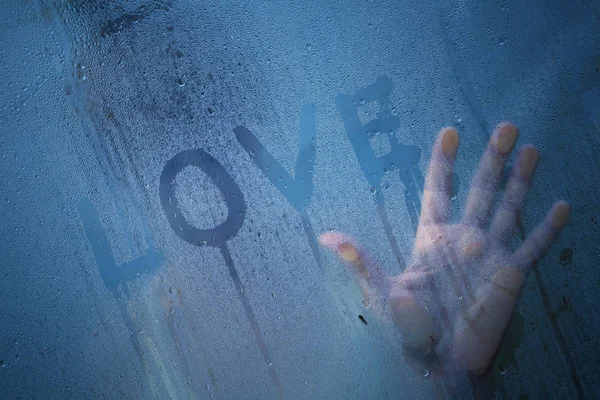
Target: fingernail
348,252
560,214
506,137
528,161
450,143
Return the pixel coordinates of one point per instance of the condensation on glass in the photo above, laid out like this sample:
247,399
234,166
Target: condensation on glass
169,168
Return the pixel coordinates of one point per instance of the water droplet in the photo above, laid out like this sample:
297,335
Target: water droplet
180,82
502,40
501,369
566,256
373,190
211,112
425,373
2,365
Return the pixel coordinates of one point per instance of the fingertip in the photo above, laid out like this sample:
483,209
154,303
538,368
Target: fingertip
507,125
528,160
507,133
341,244
448,128
331,238
348,252
530,150
560,214
323,238
450,140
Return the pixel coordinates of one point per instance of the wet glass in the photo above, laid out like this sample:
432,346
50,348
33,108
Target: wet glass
301,200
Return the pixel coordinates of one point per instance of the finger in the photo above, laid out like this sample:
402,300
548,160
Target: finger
371,280
537,243
486,180
346,249
438,183
413,320
505,220
478,335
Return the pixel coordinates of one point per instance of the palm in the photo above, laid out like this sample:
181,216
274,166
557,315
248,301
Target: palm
456,297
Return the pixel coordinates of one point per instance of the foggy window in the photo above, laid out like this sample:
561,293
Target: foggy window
233,199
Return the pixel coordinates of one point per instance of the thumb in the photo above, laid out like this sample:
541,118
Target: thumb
478,335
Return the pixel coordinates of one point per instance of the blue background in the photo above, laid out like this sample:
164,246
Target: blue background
103,298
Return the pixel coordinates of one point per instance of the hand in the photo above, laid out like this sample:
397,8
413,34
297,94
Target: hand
454,301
